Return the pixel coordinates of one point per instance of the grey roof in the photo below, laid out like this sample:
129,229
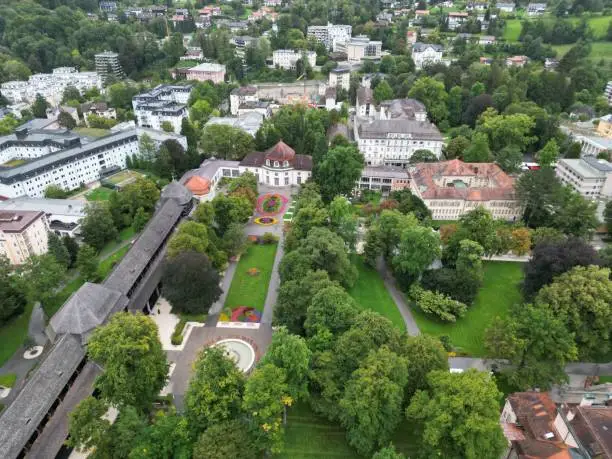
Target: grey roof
124,278
174,190
248,122
385,172
66,156
338,129
403,108
209,168
419,47
86,309
365,95
380,128
71,207
21,419
600,164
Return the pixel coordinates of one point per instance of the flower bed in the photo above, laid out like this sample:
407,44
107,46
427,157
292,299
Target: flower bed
266,221
240,314
271,204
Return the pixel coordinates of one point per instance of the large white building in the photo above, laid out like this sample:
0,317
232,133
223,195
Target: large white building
589,176
23,234
287,58
390,133
249,122
592,145
63,215
331,34
241,95
450,189
108,66
424,54
49,85
339,77
164,103
359,48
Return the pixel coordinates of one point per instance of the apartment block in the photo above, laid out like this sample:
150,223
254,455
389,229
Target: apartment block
23,234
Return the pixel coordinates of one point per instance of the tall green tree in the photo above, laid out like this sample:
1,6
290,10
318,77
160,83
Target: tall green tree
57,248
39,107
13,296
478,151
458,415
225,142
549,154
72,247
65,119
383,91
135,367
227,440
168,436
87,263
97,227
425,354
431,93
339,170
419,246
41,275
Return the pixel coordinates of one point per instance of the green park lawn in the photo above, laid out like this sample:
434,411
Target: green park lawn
599,50
512,30
122,176
8,379
248,290
500,290
370,293
599,25
605,379
99,194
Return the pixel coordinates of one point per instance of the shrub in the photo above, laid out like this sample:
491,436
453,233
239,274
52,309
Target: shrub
177,334
269,238
437,304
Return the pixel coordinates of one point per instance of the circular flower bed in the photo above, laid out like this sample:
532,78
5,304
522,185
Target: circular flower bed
266,221
271,204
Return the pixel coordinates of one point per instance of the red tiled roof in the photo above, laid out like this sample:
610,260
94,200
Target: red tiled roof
500,186
199,186
280,152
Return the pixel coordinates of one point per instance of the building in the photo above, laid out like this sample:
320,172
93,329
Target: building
456,19
23,234
608,92
604,128
453,188
108,66
331,34
388,134
517,61
536,9
550,63
593,145
49,85
100,109
424,54
287,58
339,77
589,176
163,104
63,215
249,122
484,40
108,6
307,92
359,48
240,95
207,71
384,179
203,181
278,166
505,7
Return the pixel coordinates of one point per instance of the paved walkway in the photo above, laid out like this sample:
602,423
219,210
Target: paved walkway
274,284
411,326
215,309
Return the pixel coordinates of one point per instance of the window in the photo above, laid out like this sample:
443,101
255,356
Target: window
275,163
267,162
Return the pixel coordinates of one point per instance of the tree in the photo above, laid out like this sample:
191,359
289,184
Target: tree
504,130
215,390
423,156
190,283
408,203
478,151
331,308
388,453
265,397
55,192
230,209
385,234
419,247
433,95
425,354
225,142
97,227
66,120
520,241
608,216
548,155
147,148
445,308
72,247
552,258
87,263
469,259
536,343
39,107
227,440
582,299
509,159
343,220
58,249
290,353
540,193
460,286
339,170
190,236
168,436
459,415
234,239
372,402
13,297
383,91
41,275
576,215
140,219
204,213
135,367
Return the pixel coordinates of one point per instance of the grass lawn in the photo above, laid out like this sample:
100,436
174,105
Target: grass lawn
122,176
309,436
107,265
99,194
13,333
602,379
8,380
512,30
186,64
599,50
500,290
370,293
124,235
599,25
247,290
14,163
92,132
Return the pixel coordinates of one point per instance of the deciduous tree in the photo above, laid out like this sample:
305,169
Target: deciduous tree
432,93
419,246
168,436
41,275
332,308
227,440
87,263
58,249
97,227
226,142
438,304
339,170
13,297
425,354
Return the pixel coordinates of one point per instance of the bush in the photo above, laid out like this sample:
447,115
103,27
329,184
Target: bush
269,238
448,282
177,334
437,304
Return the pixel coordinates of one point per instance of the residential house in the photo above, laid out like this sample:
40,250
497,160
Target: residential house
424,54
331,34
505,7
456,19
536,9
383,179
206,71
100,109
517,61
339,77
287,58
63,215
360,48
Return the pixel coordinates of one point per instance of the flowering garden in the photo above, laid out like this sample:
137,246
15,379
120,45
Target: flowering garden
271,204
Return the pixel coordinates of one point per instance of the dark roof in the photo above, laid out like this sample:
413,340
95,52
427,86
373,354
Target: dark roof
280,152
378,129
403,108
174,190
86,309
593,426
258,159
22,417
17,221
338,129
365,95
420,47
126,274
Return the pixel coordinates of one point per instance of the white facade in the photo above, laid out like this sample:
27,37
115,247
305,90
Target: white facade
608,92
536,9
424,54
50,85
589,176
331,34
240,96
23,234
506,7
339,78
593,145
162,104
456,19
287,58
63,215
360,47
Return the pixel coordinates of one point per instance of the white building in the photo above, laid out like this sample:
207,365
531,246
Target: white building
608,92
506,7
450,189
389,134
593,145
240,95
424,54
384,179
359,48
207,71
108,65
100,109
456,19
589,176
63,215
278,166
164,103
339,77
287,58
50,85
203,182
249,122
23,234
536,9
331,34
